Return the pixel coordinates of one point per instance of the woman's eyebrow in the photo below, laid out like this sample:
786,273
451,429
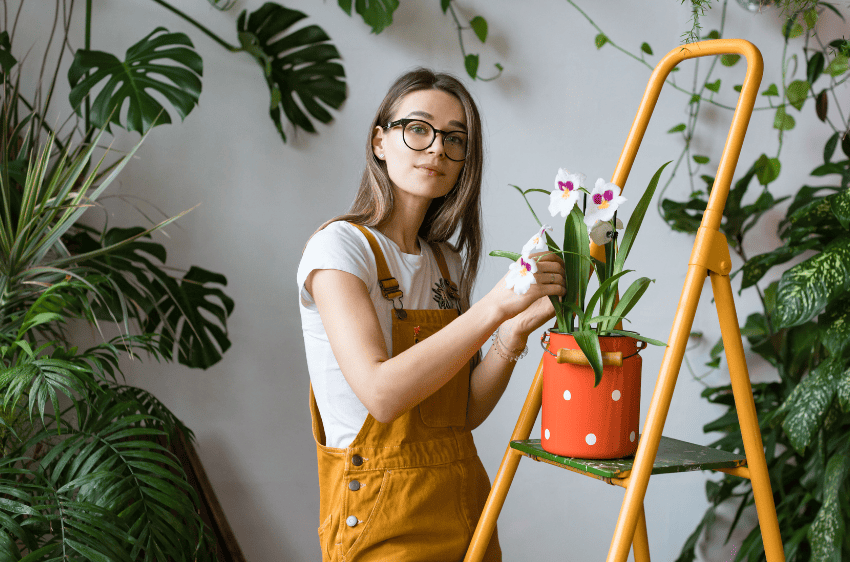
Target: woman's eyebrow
427,115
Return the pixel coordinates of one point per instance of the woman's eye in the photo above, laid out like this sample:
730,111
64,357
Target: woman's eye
418,129
454,139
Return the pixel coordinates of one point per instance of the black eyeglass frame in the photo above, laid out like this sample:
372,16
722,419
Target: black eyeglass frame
404,122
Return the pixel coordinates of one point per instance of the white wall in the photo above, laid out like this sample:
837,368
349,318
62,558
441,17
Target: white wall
560,103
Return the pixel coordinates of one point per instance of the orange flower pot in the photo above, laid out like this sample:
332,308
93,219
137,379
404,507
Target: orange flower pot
581,421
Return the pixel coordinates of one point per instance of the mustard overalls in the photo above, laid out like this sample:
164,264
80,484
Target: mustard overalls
411,490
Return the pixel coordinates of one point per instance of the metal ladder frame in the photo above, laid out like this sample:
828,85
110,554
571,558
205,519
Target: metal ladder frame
710,256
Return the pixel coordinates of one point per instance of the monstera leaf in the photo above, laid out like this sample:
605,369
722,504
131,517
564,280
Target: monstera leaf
190,313
130,79
378,14
296,62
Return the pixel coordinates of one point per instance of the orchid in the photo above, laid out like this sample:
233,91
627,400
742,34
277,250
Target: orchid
576,311
564,196
537,242
603,232
521,275
603,202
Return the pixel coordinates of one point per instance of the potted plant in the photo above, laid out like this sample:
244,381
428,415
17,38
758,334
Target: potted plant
586,414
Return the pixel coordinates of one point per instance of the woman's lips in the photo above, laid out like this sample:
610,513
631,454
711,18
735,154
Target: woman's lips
430,171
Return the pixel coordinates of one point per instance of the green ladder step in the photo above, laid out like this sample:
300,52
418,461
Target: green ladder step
673,456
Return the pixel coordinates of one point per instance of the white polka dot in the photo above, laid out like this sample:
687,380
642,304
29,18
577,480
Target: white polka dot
567,395
615,395
547,434
632,437
590,439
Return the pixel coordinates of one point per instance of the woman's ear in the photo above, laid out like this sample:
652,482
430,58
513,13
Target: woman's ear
378,142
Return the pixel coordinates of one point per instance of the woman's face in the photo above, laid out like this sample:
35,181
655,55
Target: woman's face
425,174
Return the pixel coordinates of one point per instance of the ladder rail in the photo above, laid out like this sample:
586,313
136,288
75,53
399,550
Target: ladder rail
710,256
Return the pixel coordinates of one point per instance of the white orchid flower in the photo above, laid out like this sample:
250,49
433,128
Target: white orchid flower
565,194
604,200
602,232
537,242
521,275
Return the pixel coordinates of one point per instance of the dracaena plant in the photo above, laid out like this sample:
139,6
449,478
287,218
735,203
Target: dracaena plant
599,315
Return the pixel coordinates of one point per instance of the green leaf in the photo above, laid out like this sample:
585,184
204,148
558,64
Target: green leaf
646,48
834,324
713,34
377,14
822,105
814,67
843,391
729,60
191,316
695,98
797,92
837,66
757,266
636,220
827,530
576,264
771,91
471,63
678,128
807,404
792,29
298,62
513,256
7,61
738,87
444,4
588,342
713,86
699,159
639,337
600,40
840,206
808,287
127,81
767,169
479,26
783,121
810,17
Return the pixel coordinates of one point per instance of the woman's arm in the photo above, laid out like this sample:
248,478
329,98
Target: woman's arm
389,387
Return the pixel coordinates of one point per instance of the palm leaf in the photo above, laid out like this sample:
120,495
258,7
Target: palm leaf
129,80
298,64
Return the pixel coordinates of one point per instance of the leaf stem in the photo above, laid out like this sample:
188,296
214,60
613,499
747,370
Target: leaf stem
210,34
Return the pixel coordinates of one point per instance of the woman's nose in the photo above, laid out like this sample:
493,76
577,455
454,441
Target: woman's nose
440,150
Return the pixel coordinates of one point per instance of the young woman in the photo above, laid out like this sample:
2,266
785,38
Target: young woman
397,383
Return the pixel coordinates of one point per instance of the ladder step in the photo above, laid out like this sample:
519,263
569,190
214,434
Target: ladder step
673,456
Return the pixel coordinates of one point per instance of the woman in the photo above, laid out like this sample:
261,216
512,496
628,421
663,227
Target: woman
399,475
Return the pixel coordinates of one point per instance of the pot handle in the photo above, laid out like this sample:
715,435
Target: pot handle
576,357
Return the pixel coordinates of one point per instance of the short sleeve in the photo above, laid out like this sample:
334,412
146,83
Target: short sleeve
338,246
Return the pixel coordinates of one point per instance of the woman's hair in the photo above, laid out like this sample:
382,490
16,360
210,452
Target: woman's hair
458,209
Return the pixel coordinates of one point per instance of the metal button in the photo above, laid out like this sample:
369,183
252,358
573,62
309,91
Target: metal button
356,460
354,485
351,521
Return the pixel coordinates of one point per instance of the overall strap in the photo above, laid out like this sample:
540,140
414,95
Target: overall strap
389,286
444,270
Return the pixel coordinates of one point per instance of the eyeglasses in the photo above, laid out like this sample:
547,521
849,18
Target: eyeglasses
419,135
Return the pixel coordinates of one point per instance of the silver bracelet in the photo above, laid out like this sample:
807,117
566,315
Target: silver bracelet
516,354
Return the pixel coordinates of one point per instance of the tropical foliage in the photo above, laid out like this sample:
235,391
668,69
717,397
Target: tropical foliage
802,330
85,469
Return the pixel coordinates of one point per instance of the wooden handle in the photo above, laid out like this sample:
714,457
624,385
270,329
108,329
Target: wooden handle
576,357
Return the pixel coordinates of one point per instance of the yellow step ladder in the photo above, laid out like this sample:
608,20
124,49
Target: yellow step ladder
657,454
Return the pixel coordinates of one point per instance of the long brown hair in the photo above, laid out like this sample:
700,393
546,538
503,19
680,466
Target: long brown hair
459,210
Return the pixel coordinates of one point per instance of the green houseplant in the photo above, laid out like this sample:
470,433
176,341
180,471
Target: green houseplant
575,312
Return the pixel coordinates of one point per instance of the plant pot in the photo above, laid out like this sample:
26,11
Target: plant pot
581,421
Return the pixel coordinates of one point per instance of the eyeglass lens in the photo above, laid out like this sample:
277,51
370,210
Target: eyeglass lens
419,135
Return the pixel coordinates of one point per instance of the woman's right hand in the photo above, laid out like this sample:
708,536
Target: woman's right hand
550,280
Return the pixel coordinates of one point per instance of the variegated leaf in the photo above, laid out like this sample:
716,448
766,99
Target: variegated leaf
806,288
840,205
826,533
835,327
843,391
757,266
808,403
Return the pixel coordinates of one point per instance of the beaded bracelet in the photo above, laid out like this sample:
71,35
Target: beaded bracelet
517,353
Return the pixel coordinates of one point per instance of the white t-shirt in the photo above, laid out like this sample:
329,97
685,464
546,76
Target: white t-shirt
342,246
